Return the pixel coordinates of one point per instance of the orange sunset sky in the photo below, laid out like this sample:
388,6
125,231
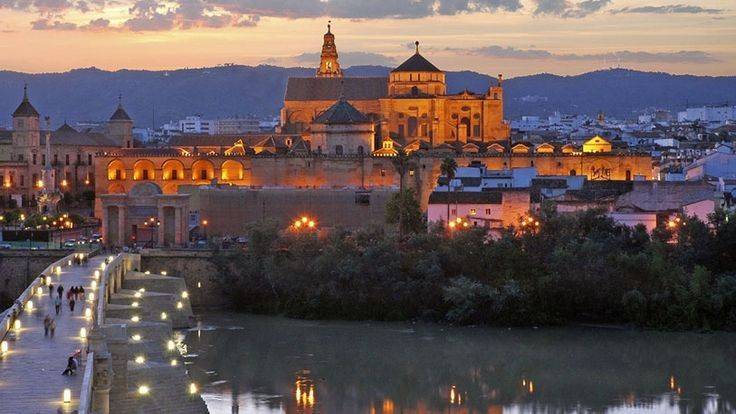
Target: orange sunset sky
514,37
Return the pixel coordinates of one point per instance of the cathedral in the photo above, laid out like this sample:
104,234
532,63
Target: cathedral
409,106
37,163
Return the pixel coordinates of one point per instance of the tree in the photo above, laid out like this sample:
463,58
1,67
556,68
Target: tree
402,162
448,168
403,209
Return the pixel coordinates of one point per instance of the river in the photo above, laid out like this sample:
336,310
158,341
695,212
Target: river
266,365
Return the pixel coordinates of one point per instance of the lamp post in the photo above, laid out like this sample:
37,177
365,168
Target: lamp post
204,228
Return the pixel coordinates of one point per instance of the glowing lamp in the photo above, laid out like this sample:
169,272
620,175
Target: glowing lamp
91,297
140,359
147,272
452,224
97,274
134,304
170,345
199,285
142,290
179,305
143,390
83,333
93,285
184,294
68,262
3,347
136,337
58,270
17,325
164,316
163,272
135,318
137,294
48,280
39,291
174,362
109,258
67,396
29,305
88,313
311,224
297,224
192,388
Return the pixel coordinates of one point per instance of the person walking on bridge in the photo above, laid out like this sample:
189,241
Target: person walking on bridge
60,290
51,290
57,304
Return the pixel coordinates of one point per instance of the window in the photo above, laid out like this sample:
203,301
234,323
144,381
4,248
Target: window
412,126
453,212
22,180
89,159
383,172
411,173
118,175
473,212
628,175
360,149
202,174
174,174
20,157
476,130
145,174
573,172
424,130
66,160
401,131
488,212
43,159
34,159
79,159
338,149
56,159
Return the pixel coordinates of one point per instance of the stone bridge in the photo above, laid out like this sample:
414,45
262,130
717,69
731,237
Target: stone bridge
122,329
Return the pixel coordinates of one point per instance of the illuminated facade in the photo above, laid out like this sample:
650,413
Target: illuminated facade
410,104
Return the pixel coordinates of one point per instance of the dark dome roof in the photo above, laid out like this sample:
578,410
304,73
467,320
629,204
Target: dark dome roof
25,109
417,63
120,115
341,113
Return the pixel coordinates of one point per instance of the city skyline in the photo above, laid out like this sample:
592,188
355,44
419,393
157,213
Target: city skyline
514,37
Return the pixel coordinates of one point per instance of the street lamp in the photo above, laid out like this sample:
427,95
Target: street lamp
458,224
304,223
204,228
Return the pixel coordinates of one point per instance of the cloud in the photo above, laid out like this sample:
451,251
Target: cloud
669,9
568,9
46,24
347,59
684,56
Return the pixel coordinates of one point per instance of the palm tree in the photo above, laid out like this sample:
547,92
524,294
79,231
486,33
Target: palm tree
448,168
402,163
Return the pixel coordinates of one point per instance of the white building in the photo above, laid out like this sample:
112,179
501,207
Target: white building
194,124
709,114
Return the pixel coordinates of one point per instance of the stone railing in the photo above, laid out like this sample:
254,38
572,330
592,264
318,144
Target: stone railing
85,396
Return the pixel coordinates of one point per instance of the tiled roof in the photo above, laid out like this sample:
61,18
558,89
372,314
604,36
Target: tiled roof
25,109
341,113
330,89
72,137
120,115
416,63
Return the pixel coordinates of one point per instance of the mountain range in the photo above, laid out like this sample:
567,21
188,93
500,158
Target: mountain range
91,94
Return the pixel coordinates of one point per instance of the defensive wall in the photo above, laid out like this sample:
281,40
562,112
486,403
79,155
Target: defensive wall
18,269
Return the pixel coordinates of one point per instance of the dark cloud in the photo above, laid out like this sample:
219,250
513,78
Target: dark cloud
569,9
46,24
685,56
365,9
669,9
347,59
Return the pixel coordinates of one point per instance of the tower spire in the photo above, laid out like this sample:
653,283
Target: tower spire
329,67
25,92
416,44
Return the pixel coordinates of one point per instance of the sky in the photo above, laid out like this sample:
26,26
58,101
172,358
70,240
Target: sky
513,37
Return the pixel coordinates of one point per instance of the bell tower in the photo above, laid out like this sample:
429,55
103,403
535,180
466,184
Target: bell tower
329,67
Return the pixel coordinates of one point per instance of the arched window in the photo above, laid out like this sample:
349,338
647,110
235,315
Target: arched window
414,90
115,170
360,149
203,170
628,175
338,149
173,170
573,172
231,170
143,170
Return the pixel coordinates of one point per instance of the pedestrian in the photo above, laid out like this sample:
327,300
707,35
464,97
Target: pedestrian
73,292
71,366
57,304
51,290
46,325
60,291
52,327
71,304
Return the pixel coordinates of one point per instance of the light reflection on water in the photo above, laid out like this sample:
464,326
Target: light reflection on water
267,365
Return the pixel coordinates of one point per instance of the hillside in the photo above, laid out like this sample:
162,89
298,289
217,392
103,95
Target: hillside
91,94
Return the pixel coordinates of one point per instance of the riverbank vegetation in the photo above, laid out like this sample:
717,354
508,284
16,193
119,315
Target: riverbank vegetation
567,269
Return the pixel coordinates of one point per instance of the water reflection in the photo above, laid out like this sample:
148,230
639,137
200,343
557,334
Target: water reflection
266,365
